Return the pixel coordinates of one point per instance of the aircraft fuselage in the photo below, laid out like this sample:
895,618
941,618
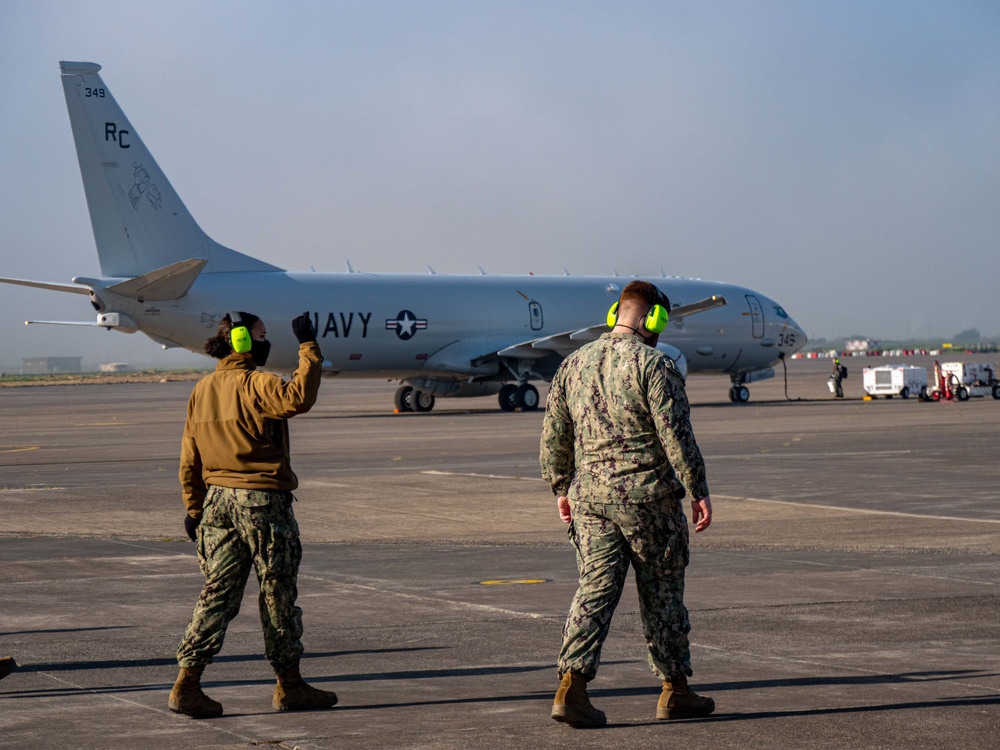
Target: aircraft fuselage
402,325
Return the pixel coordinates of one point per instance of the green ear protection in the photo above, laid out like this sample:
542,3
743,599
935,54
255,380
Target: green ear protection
656,318
239,334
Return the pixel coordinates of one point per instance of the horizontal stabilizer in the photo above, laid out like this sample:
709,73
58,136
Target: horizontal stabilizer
167,283
118,321
60,323
47,285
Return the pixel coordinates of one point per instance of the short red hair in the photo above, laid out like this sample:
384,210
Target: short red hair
640,293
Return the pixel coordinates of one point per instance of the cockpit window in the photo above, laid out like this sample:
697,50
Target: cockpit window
780,311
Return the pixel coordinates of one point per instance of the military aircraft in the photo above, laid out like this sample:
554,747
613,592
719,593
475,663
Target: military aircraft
438,335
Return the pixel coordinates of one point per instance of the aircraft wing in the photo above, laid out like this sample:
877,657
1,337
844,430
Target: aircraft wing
709,303
567,342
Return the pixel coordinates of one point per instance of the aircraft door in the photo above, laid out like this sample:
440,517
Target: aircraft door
535,315
756,316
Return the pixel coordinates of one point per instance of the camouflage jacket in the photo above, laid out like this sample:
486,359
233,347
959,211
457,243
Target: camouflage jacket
617,426
236,433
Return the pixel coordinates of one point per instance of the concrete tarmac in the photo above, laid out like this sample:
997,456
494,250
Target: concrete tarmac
846,595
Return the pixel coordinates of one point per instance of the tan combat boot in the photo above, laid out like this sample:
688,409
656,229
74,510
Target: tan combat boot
293,694
678,701
7,665
187,697
572,706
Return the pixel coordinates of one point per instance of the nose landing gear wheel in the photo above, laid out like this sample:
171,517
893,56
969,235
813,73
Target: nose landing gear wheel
739,394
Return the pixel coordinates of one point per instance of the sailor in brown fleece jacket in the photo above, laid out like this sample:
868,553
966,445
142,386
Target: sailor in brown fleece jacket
237,481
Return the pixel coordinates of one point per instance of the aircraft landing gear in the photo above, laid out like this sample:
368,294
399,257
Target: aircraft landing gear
402,398
526,396
523,397
408,398
739,394
506,397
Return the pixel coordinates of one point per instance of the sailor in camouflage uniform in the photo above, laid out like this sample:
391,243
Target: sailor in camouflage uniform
618,450
237,481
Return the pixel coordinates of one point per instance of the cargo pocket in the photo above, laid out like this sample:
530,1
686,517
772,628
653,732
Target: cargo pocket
677,553
284,549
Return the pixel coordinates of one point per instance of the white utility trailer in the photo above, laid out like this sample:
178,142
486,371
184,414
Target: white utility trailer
895,380
963,380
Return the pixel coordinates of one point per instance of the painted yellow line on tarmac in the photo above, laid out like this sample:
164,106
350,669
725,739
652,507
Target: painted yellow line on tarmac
512,581
20,450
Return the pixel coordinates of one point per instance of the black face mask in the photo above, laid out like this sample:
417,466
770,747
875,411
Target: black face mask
259,351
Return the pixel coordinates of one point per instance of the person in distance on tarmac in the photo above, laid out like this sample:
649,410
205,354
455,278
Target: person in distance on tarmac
837,377
618,450
237,483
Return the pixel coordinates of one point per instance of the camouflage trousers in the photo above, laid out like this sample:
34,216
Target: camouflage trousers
653,538
240,530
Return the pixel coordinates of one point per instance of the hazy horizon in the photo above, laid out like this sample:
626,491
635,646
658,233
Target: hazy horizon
841,158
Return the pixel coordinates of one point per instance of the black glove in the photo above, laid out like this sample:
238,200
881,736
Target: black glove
303,329
190,526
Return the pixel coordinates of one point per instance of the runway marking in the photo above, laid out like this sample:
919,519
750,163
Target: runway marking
828,665
479,476
103,693
864,511
844,566
437,601
20,450
32,489
842,454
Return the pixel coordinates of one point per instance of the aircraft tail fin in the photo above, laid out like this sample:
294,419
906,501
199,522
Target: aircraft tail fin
139,222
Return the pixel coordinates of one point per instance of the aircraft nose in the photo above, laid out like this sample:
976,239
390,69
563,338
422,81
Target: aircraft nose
791,336
795,337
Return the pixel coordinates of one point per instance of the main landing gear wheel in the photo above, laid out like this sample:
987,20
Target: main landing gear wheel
739,394
526,397
506,397
403,397
408,398
421,401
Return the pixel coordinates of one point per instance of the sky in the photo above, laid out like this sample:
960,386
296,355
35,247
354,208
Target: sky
840,157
